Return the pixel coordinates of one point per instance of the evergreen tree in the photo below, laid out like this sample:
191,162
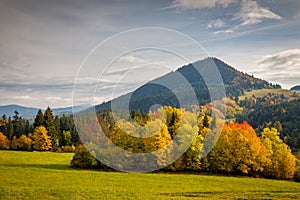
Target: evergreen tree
57,127
28,127
10,129
64,123
50,127
3,125
39,119
19,126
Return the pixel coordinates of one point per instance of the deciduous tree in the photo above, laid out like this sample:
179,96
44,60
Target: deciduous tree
41,139
4,142
283,163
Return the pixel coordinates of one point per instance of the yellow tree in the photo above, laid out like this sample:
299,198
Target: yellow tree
4,142
158,142
283,163
41,139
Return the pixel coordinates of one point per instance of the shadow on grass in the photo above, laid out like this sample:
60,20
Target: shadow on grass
43,166
233,194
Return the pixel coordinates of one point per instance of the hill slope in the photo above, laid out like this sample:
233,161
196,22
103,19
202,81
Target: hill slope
151,93
297,87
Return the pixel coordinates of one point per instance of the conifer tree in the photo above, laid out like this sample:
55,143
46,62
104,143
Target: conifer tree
50,126
39,119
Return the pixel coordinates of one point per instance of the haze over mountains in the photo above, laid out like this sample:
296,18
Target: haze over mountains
29,112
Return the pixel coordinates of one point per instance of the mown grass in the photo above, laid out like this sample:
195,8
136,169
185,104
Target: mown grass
43,175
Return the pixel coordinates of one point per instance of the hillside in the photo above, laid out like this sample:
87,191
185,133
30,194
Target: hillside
287,113
297,87
153,92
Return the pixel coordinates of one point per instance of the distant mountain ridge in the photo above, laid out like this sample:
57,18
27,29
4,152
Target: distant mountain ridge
29,112
149,94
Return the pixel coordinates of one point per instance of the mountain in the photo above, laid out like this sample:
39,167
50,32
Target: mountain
29,112
297,87
25,112
161,90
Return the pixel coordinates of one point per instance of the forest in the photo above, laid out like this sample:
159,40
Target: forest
47,132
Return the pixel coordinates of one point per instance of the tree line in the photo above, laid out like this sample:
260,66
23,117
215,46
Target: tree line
47,132
238,151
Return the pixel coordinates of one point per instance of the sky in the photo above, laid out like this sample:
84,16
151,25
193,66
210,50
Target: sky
46,46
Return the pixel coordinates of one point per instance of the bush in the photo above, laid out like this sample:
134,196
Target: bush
4,142
23,143
83,159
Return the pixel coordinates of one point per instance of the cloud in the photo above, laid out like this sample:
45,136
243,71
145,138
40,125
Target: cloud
198,4
252,13
228,31
132,59
283,67
297,16
283,60
218,23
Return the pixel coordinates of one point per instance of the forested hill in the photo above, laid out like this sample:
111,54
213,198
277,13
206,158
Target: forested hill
284,116
297,87
152,93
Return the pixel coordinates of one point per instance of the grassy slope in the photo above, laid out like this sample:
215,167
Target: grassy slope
36,175
262,92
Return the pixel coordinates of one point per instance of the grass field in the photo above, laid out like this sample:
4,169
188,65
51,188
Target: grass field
43,175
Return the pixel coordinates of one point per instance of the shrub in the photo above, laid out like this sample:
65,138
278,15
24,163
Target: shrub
23,143
83,159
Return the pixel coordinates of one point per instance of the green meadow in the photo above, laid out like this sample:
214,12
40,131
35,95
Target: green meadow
45,175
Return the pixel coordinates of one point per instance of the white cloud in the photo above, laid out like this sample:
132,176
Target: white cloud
132,59
282,67
252,13
288,59
228,31
218,23
198,4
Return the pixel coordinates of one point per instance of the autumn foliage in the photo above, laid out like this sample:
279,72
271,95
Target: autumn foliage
238,151
4,142
41,139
